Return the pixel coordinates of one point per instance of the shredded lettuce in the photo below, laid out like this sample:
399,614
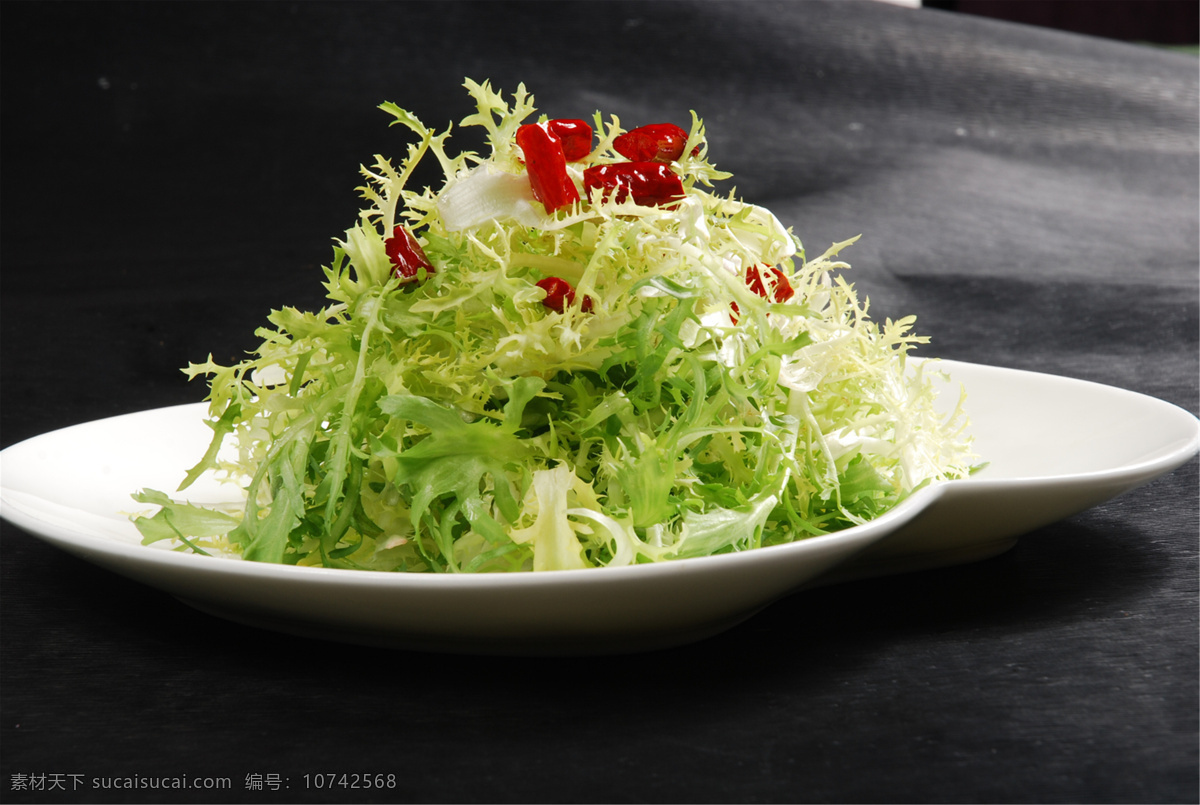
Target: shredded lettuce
457,424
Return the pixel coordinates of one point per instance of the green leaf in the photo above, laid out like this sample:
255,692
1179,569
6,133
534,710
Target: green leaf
459,459
221,428
179,520
721,529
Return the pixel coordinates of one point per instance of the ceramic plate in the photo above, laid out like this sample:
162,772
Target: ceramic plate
1055,446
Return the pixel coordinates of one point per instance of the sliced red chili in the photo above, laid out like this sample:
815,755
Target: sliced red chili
754,280
575,136
658,142
406,255
650,184
547,167
783,288
560,295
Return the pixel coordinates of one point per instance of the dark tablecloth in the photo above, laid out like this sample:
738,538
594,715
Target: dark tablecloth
172,171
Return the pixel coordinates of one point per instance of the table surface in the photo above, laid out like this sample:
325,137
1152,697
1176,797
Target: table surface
173,171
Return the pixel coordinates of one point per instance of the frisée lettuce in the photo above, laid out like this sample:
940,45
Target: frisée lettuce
502,384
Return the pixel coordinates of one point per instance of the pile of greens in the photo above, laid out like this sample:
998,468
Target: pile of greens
455,422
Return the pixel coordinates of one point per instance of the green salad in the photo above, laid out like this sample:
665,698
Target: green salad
576,353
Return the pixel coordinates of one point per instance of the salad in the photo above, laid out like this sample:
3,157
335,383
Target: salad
576,353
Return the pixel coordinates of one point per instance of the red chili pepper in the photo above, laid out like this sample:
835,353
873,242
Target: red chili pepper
575,136
783,288
651,184
547,167
560,295
658,142
754,280
406,255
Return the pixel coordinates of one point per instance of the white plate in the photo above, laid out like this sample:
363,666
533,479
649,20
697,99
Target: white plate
1056,446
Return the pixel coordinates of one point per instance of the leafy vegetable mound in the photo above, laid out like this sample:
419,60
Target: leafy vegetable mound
502,381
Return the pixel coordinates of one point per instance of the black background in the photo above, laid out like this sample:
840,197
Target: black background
1163,22
172,171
